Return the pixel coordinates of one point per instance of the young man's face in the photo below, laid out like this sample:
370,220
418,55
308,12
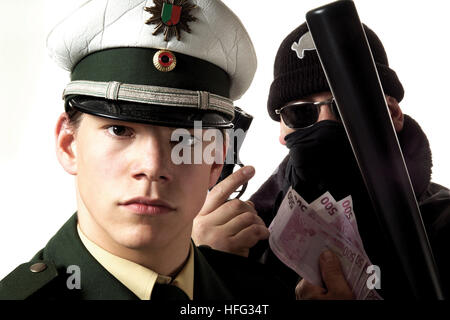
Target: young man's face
130,193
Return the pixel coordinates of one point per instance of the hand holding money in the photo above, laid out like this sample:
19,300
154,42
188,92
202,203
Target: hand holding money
300,232
336,287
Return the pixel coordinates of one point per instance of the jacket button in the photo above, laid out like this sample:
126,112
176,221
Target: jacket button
38,267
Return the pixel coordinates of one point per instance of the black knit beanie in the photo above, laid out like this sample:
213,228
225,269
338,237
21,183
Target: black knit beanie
296,78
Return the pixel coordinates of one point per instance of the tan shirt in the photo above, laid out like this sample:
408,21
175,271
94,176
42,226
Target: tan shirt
140,280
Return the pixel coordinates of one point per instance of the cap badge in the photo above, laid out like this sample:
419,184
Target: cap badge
164,60
170,17
304,43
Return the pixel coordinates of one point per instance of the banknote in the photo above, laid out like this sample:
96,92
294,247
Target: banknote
332,212
304,236
346,206
300,232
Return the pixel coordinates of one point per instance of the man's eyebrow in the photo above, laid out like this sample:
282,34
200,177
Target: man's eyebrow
117,122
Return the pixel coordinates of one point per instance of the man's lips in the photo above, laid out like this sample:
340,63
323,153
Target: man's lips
147,206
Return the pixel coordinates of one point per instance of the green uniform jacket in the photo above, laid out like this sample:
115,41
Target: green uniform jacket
217,275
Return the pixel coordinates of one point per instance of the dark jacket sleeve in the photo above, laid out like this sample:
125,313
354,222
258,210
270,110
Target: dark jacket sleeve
265,197
267,200
245,278
435,210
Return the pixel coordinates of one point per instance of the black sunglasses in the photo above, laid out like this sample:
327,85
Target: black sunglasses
299,115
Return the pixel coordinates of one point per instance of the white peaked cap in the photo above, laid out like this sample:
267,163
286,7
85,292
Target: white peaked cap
217,36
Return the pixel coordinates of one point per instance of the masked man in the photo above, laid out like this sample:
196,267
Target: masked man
321,159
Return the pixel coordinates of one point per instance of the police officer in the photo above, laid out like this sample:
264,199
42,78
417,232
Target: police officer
140,71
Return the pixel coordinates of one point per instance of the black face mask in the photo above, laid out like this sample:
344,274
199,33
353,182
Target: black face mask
321,159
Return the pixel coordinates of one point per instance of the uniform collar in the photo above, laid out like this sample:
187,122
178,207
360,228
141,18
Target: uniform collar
66,249
139,279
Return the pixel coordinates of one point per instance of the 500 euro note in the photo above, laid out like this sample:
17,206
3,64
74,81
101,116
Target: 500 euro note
301,232
334,214
298,237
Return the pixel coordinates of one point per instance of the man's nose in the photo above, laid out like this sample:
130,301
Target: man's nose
152,160
325,113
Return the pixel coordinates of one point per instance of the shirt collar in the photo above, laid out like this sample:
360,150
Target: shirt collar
138,279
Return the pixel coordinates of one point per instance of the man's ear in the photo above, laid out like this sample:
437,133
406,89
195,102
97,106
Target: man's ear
65,144
396,113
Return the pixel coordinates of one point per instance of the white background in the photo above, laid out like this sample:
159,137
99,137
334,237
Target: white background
37,196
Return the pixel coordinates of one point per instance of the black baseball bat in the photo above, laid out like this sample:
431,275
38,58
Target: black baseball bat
347,60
